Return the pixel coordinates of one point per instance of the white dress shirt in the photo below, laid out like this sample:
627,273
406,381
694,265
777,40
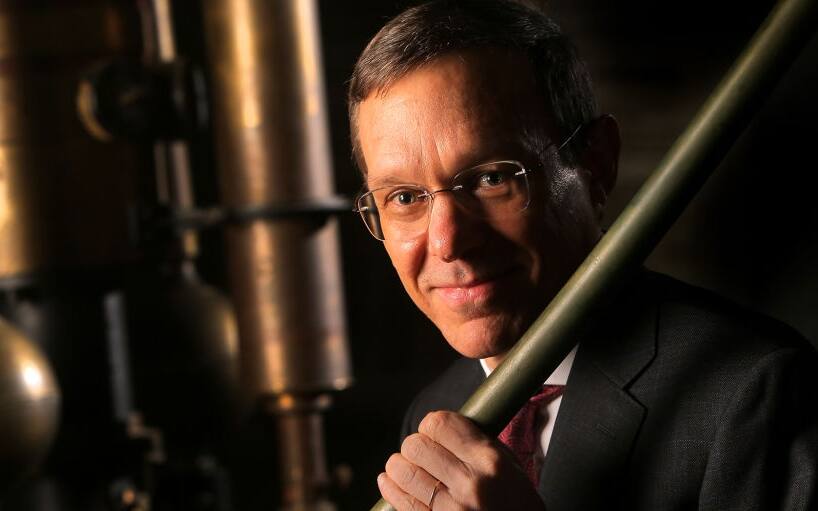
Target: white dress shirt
558,377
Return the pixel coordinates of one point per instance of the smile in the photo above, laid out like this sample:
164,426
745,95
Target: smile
475,292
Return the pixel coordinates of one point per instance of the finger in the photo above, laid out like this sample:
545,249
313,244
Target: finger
457,434
435,459
442,500
396,497
411,478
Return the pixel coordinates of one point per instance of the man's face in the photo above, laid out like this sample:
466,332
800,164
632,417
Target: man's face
482,282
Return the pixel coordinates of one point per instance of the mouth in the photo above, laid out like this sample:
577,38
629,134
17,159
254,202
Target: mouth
475,292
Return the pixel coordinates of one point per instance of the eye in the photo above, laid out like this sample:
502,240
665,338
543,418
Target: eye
492,179
403,197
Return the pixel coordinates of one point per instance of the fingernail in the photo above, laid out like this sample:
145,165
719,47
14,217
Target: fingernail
380,478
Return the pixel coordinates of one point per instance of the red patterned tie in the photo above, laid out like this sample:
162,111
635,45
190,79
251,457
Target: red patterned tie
522,436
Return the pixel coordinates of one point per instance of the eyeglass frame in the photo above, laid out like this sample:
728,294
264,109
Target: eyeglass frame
524,171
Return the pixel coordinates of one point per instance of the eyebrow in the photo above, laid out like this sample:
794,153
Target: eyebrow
509,150
474,162
388,181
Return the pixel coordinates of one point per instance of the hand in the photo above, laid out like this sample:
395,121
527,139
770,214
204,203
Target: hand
476,472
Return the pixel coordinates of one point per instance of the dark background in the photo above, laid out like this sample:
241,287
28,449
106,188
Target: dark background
751,234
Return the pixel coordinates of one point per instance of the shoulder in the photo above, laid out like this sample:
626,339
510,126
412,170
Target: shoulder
688,318
447,392
664,339
708,351
738,393
727,396
661,332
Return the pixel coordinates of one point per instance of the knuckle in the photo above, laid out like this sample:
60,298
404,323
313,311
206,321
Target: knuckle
493,461
471,489
477,482
406,476
433,422
392,463
412,447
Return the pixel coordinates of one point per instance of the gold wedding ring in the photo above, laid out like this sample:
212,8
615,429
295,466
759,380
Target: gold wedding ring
434,494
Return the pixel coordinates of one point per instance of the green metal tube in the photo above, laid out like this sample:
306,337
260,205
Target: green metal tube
658,204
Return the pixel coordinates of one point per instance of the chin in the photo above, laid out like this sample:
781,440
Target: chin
482,337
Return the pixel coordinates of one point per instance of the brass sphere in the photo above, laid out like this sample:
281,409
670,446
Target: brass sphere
184,354
29,405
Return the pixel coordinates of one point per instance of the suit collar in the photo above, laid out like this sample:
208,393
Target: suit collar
627,343
598,420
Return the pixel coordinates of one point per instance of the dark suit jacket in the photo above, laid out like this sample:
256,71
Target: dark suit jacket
676,400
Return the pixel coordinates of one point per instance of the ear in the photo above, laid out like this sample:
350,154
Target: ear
600,158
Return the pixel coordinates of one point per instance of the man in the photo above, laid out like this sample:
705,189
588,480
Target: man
487,169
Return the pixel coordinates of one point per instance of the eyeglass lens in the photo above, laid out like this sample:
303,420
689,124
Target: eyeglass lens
492,191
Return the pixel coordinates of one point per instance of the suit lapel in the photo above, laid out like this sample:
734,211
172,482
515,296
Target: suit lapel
598,420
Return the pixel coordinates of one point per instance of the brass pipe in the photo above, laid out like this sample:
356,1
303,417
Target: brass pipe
662,198
300,429
272,147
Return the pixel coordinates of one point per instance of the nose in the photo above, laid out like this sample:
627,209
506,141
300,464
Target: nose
453,232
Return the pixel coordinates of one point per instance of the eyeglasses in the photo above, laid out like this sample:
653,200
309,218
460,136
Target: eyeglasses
493,191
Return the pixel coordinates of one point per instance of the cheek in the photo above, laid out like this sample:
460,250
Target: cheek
570,229
571,199
407,258
556,233
537,243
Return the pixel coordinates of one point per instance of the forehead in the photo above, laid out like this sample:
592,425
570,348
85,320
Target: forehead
458,110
